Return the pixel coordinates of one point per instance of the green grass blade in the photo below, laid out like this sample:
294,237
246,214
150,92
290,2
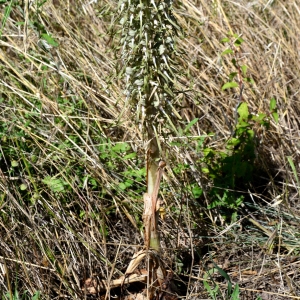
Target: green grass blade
289,158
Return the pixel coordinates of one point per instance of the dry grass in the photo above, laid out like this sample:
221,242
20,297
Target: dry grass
65,212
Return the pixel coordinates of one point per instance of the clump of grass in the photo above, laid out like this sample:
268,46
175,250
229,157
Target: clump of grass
72,157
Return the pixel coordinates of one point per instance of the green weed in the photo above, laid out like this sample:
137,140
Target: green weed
232,169
215,291
24,296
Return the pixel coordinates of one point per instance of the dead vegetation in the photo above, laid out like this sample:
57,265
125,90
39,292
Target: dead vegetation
72,154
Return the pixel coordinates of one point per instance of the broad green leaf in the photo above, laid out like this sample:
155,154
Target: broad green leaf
225,40
275,116
244,69
49,39
55,184
191,124
234,142
14,163
273,104
200,143
261,116
250,80
208,151
243,111
122,186
23,187
121,147
232,75
242,125
227,51
250,133
234,217
130,155
209,273
209,290
93,182
238,42
229,85
197,191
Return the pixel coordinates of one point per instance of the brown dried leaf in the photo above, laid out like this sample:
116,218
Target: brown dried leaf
135,261
92,286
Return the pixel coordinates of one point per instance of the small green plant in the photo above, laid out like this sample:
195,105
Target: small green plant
25,296
215,291
233,167
7,11
290,160
114,157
